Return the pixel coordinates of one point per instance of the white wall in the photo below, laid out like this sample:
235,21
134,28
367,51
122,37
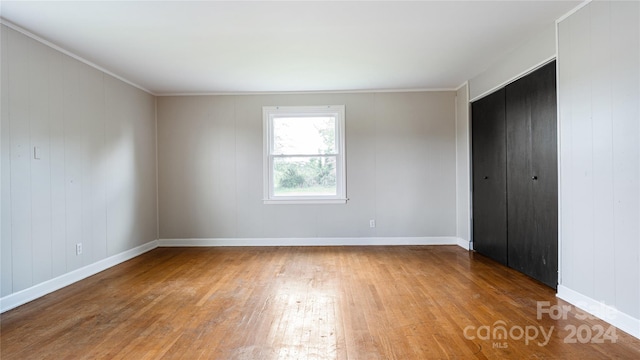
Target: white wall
599,81
463,166
401,168
537,50
95,181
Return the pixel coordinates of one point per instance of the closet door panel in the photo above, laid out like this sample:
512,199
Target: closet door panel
519,176
545,169
532,175
489,177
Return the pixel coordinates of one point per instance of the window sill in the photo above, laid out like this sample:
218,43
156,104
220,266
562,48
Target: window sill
304,201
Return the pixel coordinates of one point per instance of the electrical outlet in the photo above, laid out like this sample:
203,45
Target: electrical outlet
79,249
372,223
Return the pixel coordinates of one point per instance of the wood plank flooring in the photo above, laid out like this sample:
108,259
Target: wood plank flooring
405,302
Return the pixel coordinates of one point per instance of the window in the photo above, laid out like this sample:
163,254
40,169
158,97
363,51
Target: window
304,159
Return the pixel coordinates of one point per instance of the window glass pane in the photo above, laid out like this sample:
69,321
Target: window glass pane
313,176
304,135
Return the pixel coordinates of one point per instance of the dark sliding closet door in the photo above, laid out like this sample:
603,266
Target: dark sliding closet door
515,176
532,178
489,176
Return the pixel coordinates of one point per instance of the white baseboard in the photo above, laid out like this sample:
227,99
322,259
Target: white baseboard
601,310
24,296
343,241
463,243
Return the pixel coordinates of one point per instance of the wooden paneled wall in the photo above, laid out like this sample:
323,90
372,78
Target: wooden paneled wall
78,164
599,115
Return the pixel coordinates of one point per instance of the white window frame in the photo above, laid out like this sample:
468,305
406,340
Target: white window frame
271,112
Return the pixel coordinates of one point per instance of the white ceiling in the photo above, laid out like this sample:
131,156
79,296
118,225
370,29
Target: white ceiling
240,46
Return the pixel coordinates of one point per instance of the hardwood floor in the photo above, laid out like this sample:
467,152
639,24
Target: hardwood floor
405,302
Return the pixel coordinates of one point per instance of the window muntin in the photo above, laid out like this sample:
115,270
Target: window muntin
304,154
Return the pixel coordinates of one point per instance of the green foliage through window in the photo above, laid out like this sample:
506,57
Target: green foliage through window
305,174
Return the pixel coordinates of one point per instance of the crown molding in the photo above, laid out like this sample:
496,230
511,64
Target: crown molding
48,43
319,92
573,11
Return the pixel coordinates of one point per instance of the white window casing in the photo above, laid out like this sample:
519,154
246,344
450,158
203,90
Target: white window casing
300,156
